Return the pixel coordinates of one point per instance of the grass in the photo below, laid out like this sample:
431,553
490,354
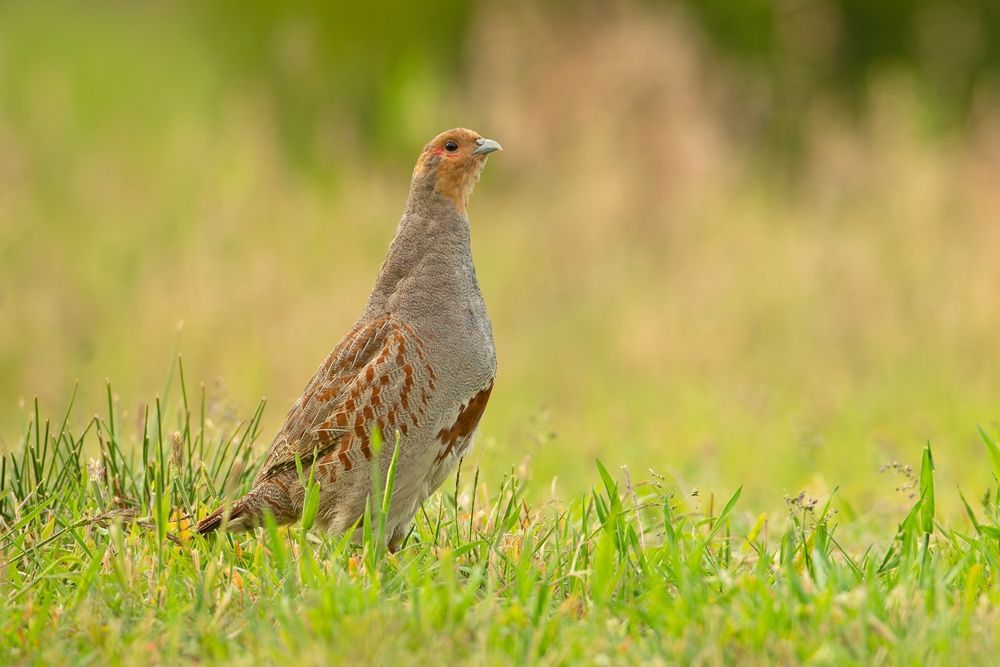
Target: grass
100,566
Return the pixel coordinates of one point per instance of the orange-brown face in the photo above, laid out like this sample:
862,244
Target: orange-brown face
455,159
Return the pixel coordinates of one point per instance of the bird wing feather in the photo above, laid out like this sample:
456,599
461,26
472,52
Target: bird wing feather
376,377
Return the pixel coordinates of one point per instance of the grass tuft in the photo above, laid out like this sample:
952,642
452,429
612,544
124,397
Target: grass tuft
99,562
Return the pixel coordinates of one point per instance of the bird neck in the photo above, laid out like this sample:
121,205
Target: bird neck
430,258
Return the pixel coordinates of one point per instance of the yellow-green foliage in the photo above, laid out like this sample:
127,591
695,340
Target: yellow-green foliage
98,563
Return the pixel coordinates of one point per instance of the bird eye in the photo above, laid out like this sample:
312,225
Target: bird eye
451,146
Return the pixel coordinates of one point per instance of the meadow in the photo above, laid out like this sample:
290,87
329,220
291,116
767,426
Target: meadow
746,407
101,565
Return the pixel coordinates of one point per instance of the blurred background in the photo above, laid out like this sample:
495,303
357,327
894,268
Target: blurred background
731,241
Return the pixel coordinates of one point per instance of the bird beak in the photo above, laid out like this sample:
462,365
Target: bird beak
484,146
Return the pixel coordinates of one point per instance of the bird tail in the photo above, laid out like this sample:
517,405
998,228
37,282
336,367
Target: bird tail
248,512
213,521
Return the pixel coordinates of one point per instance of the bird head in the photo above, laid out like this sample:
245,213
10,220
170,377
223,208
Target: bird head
452,163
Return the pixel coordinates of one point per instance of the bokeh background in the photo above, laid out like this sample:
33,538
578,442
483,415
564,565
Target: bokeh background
734,241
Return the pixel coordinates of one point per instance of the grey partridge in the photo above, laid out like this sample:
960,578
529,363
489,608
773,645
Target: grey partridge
418,365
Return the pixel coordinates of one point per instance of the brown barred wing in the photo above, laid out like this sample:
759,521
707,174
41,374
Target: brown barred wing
377,377
455,439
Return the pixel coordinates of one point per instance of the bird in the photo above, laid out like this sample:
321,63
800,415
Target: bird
418,365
